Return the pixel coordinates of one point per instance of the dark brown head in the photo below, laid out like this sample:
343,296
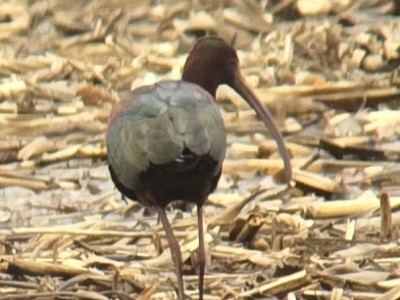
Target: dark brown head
210,63
213,62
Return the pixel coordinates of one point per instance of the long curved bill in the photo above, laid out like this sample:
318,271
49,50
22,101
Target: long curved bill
241,87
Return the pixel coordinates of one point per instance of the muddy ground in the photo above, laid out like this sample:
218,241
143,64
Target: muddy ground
329,72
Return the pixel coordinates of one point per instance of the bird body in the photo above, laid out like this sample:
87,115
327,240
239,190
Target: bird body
167,140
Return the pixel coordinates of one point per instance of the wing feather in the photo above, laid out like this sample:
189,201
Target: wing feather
156,124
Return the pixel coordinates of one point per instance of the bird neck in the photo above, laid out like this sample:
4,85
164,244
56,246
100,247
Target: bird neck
200,74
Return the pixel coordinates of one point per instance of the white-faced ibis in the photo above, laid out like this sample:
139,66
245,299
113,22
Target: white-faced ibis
167,142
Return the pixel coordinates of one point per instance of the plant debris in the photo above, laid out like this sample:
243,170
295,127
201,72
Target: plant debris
329,72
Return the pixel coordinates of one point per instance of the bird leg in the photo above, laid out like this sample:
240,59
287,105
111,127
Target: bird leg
175,250
201,256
